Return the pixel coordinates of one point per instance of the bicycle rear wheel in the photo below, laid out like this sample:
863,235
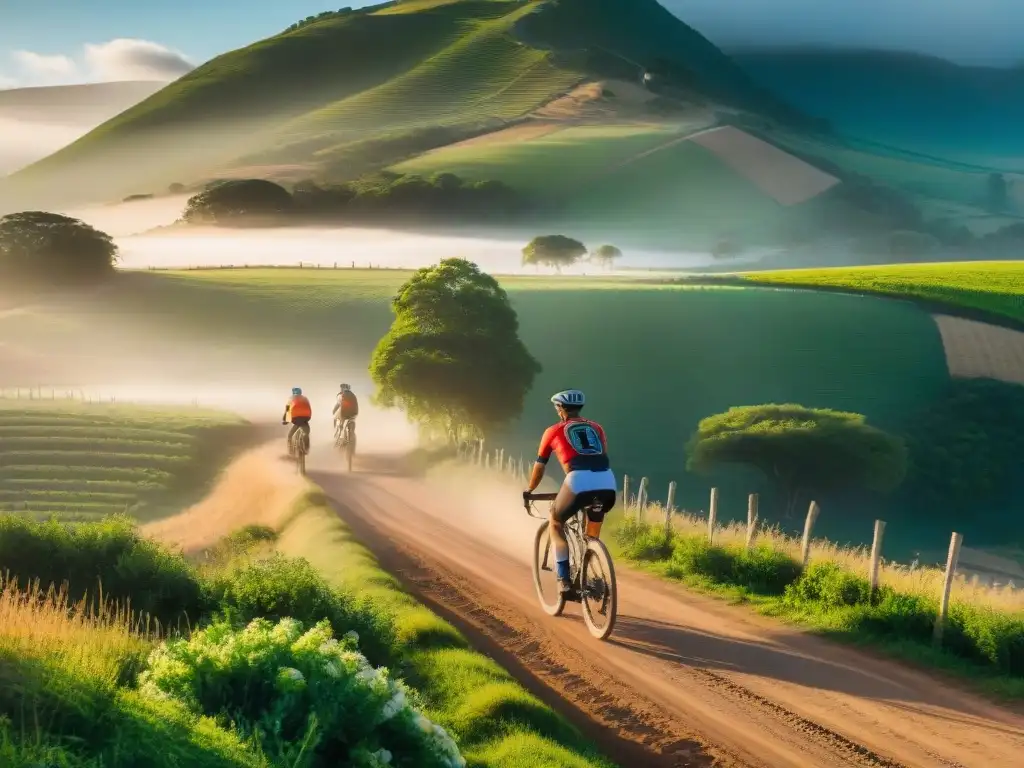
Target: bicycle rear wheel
545,579
350,448
599,590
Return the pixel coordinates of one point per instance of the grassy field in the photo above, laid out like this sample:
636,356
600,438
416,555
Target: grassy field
994,288
675,354
82,461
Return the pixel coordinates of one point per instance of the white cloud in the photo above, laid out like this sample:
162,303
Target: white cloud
39,68
130,59
120,59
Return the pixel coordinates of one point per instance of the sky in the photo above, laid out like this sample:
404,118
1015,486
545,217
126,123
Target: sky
65,41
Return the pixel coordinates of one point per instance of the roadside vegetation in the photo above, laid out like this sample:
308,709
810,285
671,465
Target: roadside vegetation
244,654
983,640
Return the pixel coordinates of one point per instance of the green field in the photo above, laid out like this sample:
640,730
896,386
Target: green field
654,359
994,288
82,461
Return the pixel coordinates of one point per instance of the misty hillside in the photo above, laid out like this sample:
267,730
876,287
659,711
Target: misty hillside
304,98
972,114
35,122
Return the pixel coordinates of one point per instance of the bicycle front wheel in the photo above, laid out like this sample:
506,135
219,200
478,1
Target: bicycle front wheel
600,592
545,578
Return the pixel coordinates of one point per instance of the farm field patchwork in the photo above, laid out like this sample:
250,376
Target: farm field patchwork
83,461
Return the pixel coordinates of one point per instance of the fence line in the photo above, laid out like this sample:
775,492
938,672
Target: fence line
295,265
476,454
58,394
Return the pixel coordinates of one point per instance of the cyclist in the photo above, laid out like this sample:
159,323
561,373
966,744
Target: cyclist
299,411
582,449
346,408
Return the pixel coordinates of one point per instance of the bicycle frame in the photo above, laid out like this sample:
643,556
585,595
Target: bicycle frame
575,535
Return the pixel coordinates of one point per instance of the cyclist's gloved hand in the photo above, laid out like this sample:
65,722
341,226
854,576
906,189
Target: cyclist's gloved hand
526,495
284,423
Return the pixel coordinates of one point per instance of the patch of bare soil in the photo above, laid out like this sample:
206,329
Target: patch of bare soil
979,350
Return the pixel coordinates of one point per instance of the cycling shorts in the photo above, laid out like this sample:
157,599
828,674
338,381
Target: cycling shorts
589,486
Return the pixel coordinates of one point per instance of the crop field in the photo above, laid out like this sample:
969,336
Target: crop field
995,288
580,153
82,461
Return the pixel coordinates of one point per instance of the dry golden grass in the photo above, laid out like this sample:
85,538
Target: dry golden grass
94,637
922,580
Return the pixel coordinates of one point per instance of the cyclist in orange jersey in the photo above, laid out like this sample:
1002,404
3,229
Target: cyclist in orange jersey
299,411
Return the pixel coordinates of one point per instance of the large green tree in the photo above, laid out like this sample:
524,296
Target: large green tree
237,200
453,359
801,450
556,251
48,247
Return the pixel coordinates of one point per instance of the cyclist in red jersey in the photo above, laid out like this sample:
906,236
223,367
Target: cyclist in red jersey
582,449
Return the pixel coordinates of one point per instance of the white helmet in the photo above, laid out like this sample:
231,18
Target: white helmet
571,398
346,388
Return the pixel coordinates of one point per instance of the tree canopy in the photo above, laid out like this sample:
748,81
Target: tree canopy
232,200
605,255
801,449
48,247
556,251
453,358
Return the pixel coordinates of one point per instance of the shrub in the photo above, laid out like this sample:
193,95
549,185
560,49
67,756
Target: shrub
281,587
307,698
108,557
829,586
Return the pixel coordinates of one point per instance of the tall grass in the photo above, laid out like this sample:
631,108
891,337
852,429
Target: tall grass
984,631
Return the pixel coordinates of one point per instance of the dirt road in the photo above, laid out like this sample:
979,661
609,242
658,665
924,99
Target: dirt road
684,680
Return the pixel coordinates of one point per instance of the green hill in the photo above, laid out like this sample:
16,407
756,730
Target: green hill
299,101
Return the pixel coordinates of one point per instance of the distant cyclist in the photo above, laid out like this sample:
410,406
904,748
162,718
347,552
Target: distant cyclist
582,450
299,412
346,407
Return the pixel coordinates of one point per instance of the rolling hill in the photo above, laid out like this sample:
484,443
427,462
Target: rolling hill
916,102
297,103
35,122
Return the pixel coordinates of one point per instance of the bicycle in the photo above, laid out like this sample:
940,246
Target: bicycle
345,439
591,571
298,448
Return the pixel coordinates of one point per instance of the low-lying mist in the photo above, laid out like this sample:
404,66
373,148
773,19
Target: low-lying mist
131,224
23,142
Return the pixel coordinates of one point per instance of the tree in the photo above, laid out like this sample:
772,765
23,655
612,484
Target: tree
556,251
49,247
453,359
801,449
228,201
605,255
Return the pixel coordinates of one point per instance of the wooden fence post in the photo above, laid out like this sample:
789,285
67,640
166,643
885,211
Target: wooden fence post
876,556
947,587
625,493
713,516
805,545
669,504
751,519
641,498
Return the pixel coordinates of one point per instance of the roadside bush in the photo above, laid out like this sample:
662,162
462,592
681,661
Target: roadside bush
107,558
281,587
307,698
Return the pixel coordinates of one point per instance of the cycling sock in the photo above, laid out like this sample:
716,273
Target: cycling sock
562,560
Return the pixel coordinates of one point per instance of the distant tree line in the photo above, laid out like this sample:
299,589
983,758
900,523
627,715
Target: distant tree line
319,17
384,197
